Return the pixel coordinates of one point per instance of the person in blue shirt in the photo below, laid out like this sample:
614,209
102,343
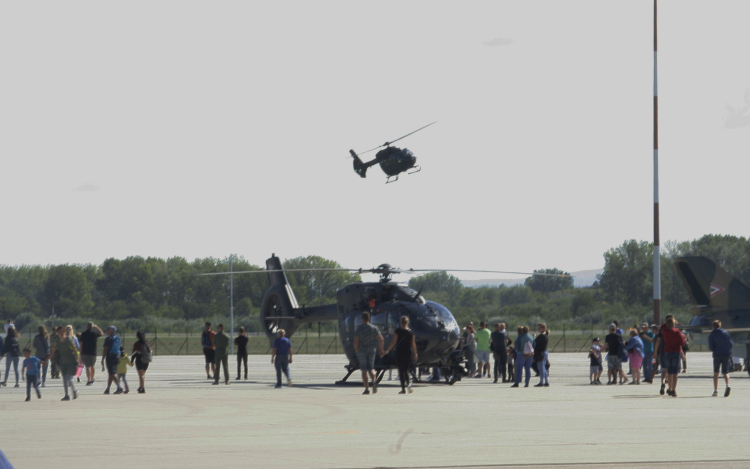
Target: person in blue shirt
647,336
634,348
525,355
31,367
281,357
721,343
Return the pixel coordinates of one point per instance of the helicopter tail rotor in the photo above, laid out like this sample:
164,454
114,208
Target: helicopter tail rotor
359,167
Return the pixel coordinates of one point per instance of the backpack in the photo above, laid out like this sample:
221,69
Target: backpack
528,349
15,349
67,352
206,339
114,349
146,356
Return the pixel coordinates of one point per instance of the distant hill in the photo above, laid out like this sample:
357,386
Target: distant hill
582,278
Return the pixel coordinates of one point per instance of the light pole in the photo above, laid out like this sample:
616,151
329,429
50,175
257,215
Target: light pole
657,255
231,301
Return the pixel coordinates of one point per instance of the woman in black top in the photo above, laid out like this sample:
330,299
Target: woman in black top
241,342
406,352
540,355
12,352
141,356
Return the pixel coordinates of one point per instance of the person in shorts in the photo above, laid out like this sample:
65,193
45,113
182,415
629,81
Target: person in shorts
612,344
483,349
721,343
367,343
209,351
88,350
111,354
595,362
673,342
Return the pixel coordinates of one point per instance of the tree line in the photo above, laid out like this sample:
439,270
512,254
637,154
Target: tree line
170,295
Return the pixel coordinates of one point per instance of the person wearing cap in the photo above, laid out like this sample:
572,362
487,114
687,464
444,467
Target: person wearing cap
595,365
647,337
111,354
88,350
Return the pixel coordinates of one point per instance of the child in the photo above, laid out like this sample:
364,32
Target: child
595,365
122,368
511,362
31,365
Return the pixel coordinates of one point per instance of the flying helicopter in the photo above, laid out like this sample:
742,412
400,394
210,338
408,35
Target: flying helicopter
393,160
436,331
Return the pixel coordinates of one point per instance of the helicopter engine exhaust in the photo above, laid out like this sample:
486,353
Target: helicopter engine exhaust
280,310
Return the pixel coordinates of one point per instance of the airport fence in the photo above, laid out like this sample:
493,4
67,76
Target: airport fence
309,341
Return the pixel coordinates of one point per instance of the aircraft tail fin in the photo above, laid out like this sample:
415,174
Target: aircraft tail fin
708,284
280,309
359,167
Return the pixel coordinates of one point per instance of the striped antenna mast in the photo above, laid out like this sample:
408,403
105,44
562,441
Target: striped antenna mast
657,255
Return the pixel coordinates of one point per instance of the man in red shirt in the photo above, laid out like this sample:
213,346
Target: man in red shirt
673,342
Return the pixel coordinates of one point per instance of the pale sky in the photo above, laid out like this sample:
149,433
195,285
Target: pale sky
195,129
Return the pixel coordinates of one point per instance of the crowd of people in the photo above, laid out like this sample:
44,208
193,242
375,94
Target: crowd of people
649,351
66,355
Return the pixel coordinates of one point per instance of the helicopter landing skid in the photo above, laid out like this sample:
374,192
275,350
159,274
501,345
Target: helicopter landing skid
419,168
379,374
388,179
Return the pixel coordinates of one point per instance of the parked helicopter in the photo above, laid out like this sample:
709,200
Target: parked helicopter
393,160
436,331
716,295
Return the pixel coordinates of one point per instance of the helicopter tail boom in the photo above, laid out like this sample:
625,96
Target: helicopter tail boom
280,309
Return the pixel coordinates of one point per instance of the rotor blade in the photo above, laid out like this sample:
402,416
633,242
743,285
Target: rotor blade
409,271
394,141
284,270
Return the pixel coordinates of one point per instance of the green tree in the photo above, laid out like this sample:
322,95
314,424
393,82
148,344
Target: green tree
317,287
547,283
67,291
628,273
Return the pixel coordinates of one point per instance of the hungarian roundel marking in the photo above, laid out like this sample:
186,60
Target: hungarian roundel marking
716,289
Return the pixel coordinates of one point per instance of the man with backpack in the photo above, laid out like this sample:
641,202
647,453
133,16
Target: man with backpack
111,354
207,341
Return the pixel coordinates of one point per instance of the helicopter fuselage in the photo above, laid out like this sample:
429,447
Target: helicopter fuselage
436,331
394,161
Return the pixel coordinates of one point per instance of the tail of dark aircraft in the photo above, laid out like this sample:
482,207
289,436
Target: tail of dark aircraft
708,284
280,309
359,167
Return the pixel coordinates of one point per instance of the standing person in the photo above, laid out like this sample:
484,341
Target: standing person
31,368
406,352
54,371
471,349
721,343
647,337
483,349
659,351
241,342
524,355
595,363
141,356
673,342
499,344
511,361
221,342
634,348
613,344
207,340
111,354
8,325
367,343
540,355
685,349
88,350
12,352
42,349
122,369
281,357
66,353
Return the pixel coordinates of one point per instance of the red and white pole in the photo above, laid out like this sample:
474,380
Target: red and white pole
657,255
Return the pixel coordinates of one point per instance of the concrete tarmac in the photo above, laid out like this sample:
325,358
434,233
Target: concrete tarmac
185,422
